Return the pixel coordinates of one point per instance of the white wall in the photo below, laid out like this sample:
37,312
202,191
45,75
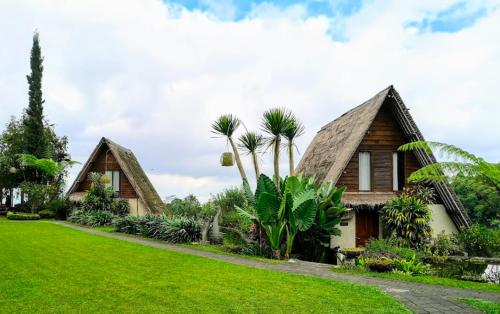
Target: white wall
441,220
348,236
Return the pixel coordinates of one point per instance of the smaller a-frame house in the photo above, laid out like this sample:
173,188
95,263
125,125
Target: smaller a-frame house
127,178
359,150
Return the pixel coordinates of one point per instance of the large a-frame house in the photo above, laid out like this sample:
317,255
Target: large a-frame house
359,150
127,178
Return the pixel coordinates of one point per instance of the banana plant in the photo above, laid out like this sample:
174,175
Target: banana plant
264,211
330,211
297,208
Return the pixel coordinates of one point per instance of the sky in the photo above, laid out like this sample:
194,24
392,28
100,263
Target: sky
152,75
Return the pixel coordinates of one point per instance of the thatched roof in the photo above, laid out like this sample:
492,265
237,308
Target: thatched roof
367,198
132,170
334,145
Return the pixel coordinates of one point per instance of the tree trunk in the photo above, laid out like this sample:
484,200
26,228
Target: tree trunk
215,226
290,157
11,198
277,144
256,166
238,160
1,196
204,231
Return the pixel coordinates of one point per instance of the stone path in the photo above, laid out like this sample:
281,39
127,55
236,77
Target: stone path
420,298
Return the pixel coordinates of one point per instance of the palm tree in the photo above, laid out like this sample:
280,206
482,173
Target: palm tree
294,129
462,162
274,122
226,125
252,142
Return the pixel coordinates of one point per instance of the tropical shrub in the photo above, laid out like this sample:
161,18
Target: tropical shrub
292,209
120,207
37,195
411,266
92,218
388,247
60,207
188,206
46,214
478,240
99,197
22,216
442,246
178,230
380,265
407,220
170,229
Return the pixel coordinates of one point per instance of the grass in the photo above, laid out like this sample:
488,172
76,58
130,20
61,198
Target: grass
488,307
52,268
433,280
219,250
194,246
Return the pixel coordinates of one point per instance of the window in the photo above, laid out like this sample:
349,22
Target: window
114,178
364,171
398,171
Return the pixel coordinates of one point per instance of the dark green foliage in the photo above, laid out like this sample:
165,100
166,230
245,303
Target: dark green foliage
46,214
442,246
37,195
188,206
478,240
412,266
379,265
482,201
92,218
121,207
407,220
34,131
297,206
174,230
60,207
101,198
383,247
22,216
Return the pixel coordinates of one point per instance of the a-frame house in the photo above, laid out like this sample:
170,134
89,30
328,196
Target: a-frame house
127,178
359,150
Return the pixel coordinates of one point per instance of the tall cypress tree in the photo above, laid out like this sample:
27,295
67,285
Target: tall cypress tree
35,139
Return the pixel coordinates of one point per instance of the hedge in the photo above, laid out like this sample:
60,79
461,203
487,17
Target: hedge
22,216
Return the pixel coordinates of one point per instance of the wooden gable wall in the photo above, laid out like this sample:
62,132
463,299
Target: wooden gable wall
99,165
382,140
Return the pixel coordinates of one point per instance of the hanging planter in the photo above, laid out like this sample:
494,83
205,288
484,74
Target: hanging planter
226,159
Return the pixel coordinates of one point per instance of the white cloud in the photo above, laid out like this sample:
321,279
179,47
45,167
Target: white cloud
153,76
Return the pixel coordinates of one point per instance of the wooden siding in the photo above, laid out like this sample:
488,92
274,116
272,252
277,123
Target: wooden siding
382,140
99,165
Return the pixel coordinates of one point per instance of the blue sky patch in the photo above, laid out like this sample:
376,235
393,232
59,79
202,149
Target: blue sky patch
451,20
242,8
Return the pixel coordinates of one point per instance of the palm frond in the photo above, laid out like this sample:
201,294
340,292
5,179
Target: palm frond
251,142
275,121
294,128
225,125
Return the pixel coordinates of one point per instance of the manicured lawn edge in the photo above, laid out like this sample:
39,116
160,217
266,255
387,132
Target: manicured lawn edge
215,249
446,282
193,246
488,307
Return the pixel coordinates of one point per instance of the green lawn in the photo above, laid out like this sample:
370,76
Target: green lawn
448,282
488,307
52,268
